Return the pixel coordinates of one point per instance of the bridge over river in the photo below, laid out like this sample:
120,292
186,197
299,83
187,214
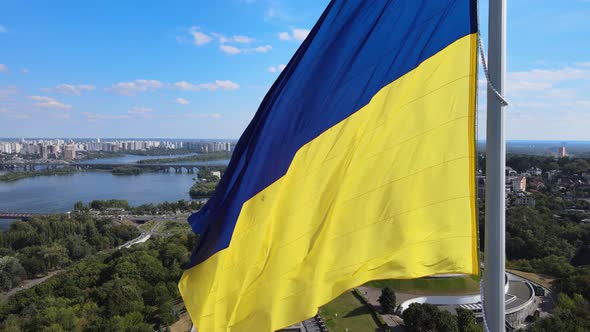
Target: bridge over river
22,216
135,218
164,167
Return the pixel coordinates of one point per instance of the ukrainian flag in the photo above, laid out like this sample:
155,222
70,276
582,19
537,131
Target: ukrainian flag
358,165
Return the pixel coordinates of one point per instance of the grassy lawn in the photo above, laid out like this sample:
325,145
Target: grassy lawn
431,286
347,312
174,227
146,227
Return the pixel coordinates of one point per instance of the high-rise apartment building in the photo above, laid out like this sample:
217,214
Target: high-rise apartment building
70,152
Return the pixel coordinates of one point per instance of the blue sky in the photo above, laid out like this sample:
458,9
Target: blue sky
195,69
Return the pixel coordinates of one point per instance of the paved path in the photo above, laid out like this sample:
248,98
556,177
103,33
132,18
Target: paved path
26,284
372,294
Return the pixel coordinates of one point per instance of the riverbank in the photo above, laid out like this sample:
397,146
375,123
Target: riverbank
160,152
15,176
131,170
119,170
101,155
222,155
206,182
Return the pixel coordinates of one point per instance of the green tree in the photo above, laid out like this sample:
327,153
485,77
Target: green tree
79,206
131,322
576,283
11,324
466,321
77,248
11,272
56,256
446,322
420,317
119,297
387,300
571,314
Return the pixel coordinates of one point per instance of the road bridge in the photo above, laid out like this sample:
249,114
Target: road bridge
17,215
163,167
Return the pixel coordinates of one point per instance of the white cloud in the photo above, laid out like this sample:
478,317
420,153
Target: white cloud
227,44
71,89
236,38
221,38
231,50
96,117
514,86
181,101
140,111
538,80
276,11
295,34
544,103
284,36
186,86
134,87
300,34
199,37
278,68
218,84
3,29
3,68
48,102
24,71
242,39
227,85
263,49
7,92
134,113
551,76
203,115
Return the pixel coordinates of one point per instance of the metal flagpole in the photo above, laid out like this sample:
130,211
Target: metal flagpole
495,171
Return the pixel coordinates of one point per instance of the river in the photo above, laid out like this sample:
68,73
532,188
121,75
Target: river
54,194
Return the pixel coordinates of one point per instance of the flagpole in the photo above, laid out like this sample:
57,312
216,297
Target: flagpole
495,171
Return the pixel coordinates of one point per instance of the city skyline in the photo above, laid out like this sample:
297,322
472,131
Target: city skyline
68,148
112,70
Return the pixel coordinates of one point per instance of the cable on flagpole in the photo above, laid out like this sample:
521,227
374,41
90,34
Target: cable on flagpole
485,70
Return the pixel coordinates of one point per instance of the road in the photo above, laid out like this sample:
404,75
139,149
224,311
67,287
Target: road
26,284
142,237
